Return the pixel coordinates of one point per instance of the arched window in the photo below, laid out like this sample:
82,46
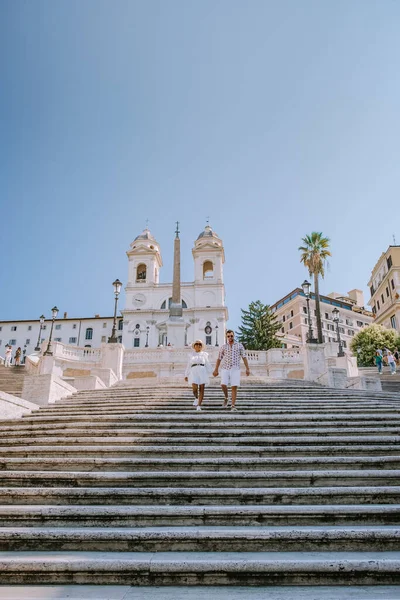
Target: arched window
141,272
120,325
89,333
208,270
164,304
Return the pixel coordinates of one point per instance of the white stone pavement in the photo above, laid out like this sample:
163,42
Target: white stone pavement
125,592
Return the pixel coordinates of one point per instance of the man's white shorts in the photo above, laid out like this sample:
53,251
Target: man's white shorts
230,377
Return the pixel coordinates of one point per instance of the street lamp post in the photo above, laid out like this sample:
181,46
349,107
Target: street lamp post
41,321
54,313
147,337
117,288
216,335
335,313
306,285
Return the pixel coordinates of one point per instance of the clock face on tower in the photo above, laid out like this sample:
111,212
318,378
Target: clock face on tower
139,300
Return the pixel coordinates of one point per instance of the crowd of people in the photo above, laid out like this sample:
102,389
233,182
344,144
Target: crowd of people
199,369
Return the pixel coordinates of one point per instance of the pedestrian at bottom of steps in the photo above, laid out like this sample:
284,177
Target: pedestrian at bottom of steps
8,356
229,359
17,357
391,362
197,372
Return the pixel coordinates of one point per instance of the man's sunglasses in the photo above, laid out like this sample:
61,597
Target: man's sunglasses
229,336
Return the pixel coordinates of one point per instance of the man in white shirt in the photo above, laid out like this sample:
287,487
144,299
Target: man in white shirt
7,361
230,355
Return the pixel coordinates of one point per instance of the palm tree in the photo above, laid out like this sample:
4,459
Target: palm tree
314,254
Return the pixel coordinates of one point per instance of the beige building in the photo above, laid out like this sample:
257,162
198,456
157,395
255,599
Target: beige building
384,286
291,311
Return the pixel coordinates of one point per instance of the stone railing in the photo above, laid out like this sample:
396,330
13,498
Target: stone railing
76,353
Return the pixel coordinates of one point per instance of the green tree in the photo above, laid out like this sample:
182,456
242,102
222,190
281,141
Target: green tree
259,327
366,342
314,253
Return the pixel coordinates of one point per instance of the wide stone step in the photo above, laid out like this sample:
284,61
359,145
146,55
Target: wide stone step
106,450
202,539
206,479
205,568
288,440
185,592
148,516
185,465
201,496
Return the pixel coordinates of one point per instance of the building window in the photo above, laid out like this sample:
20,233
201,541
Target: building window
382,298
290,325
88,346
44,327
392,284
141,273
29,327
360,324
344,344
164,304
104,325
58,326
74,326
326,316
389,262
208,270
12,343
103,338
14,328
282,330
372,290
291,313
341,329
136,342
387,292
378,305
27,342
57,339
72,340
120,325
120,339
283,319
89,333
305,309
393,321
306,321
208,340
1,328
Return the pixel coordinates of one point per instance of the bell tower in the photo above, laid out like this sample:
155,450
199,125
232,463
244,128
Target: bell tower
144,261
209,257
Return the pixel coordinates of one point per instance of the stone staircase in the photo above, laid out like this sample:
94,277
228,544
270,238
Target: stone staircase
12,380
390,383
300,487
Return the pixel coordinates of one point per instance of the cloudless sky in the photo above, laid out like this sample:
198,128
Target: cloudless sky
272,117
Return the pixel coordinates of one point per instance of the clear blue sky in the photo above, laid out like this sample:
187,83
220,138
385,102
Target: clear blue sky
274,118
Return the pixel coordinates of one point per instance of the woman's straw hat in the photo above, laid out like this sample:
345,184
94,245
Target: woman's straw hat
198,342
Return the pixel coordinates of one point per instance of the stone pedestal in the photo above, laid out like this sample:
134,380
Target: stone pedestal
176,327
315,363
112,356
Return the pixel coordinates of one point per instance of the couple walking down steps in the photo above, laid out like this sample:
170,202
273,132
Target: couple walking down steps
199,369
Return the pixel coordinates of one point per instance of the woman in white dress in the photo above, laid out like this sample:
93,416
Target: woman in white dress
197,372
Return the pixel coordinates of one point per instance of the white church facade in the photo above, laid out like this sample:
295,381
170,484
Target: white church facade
148,302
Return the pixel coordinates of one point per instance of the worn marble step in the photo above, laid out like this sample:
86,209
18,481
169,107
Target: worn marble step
205,568
108,450
185,465
203,538
149,516
326,495
206,479
240,441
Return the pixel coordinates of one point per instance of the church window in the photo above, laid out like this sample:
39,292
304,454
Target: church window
136,342
208,340
120,339
89,333
141,273
208,270
120,325
164,304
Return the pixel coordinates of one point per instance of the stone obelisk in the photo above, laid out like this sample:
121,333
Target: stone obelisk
175,324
